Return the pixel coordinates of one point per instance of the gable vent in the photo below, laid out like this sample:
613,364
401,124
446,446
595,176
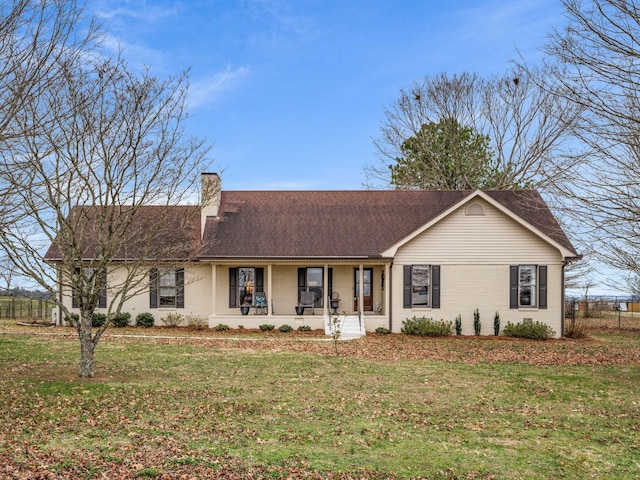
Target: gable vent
474,209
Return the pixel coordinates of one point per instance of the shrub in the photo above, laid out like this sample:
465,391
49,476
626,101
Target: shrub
121,319
221,327
196,322
172,320
496,324
98,319
459,325
265,327
383,331
72,319
304,328
529,329
145,319
575,329
426,327
476,322
285,328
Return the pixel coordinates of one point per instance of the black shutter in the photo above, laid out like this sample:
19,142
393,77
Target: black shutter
74,292
407,287
153,288
259,279
542,291
435,286
513,286
180,288
302,280
102,283
330,286
233,291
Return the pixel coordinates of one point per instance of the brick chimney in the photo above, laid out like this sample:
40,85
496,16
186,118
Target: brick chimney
210,198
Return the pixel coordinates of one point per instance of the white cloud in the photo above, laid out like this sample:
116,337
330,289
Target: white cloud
203,91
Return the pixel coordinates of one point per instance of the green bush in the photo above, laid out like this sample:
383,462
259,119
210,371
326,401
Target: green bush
383,331
496,324
285,328
145,319
476,322
265,327
459,325
221,327
529,329
426,327
98,319
304,328
72,319
121,319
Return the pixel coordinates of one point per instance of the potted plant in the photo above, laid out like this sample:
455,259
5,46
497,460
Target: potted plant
299,309
244,308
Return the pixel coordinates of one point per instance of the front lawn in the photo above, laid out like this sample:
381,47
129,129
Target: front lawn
212,405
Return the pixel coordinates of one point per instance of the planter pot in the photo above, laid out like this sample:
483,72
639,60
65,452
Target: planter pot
244,310
299,310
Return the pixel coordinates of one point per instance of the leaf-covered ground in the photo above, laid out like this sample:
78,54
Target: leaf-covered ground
234,405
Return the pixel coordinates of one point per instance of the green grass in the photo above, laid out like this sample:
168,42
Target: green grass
156,411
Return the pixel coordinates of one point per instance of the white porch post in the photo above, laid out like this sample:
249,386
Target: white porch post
325,291
361,289
214,289
270,291
387,294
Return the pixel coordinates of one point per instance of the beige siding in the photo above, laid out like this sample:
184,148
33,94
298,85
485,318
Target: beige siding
480,239
197,293
474,254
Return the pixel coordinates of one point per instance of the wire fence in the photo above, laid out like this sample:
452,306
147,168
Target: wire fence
620,310
22,308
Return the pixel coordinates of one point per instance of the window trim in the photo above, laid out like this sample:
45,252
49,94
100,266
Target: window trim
102,299
154,287
234,284
433,287
541,287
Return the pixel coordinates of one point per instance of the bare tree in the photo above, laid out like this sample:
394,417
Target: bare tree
599,53
100,162
527,128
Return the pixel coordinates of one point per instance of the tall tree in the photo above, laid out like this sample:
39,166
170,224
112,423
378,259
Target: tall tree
526,127
95,147
445,156
599,52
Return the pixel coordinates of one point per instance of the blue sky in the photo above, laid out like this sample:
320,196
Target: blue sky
291,92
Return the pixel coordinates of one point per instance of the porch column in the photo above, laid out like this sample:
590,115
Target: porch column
387,294
214,289
325,291
361,289
270,292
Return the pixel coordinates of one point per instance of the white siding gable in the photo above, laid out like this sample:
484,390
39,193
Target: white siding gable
463,238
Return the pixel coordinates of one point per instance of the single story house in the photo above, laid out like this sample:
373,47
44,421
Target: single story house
373,257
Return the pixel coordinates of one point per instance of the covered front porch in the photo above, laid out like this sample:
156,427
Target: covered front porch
253,292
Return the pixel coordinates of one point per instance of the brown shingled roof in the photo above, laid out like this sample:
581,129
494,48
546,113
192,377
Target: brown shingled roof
154,232
327,224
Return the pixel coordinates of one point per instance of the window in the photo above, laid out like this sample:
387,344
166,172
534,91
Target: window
311,279
244,282
99,280
528,284
421,286
166,288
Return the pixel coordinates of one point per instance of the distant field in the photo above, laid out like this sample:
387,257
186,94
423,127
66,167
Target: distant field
25,308
173,403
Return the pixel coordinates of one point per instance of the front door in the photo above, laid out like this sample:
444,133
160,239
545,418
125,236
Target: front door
367,292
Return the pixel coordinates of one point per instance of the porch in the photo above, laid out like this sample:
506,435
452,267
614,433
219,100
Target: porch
253,293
